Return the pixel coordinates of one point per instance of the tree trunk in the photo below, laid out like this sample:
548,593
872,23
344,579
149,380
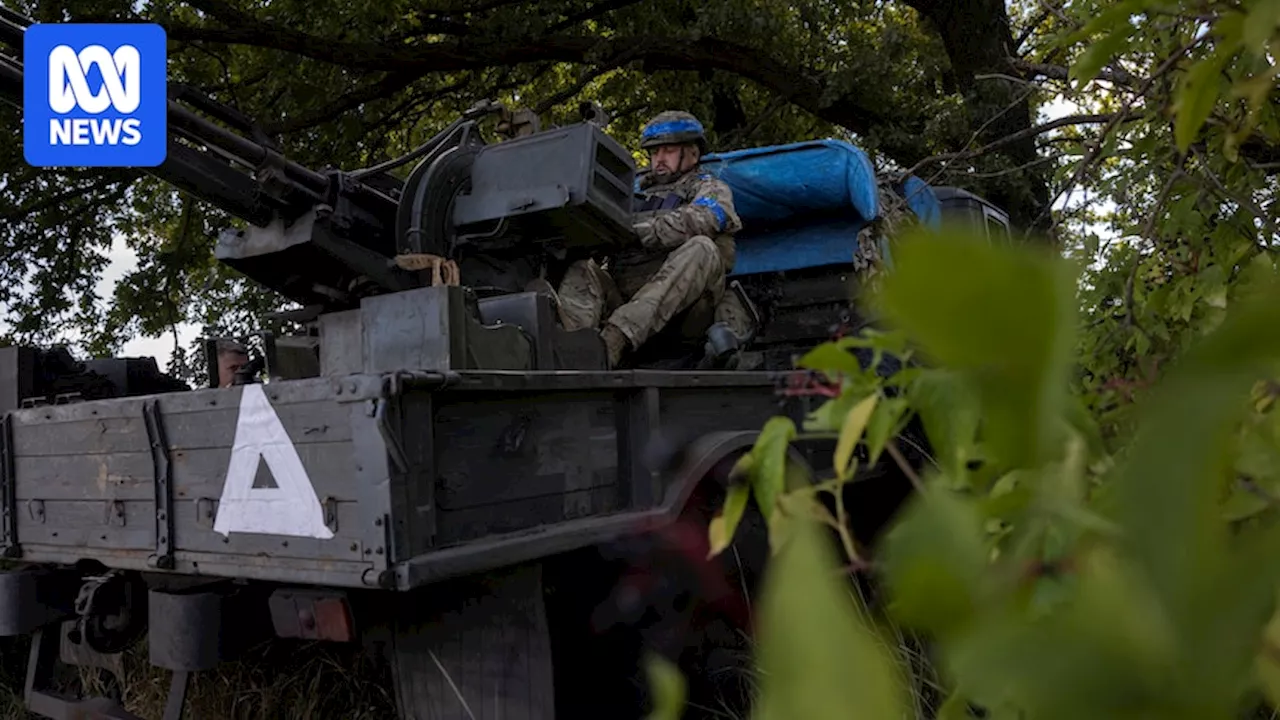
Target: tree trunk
979,39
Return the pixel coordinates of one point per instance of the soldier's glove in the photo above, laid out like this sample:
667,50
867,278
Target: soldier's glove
644,231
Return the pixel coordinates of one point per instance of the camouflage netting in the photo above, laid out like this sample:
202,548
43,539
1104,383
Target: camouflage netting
895,218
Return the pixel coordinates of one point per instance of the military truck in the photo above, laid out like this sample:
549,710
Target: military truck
432,464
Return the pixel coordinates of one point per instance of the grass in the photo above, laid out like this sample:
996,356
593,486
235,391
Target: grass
279,680
915,668
292,680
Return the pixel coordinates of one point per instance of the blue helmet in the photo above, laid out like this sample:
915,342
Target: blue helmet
673,127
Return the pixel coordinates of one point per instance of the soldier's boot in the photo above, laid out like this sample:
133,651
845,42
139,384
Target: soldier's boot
723,345
735,326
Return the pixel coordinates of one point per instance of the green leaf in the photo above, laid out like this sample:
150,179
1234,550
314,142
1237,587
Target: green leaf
1098,654
1166,492
830,358
1242,504
949,411
1079,420
829,416
1267,664
1009,497
667,687
725,523
889,418
1197,96
817,660
1232,605
955,707
1007,323
1107,21
854,423
769,460
1098,54
934,560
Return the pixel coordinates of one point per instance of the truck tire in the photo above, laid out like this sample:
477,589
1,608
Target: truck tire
657,592
474,649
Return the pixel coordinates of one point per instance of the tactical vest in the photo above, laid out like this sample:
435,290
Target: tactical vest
654,203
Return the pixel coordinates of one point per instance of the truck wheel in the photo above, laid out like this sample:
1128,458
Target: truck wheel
717,658
474,649
657,592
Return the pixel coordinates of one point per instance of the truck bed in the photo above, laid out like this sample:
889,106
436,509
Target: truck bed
399,479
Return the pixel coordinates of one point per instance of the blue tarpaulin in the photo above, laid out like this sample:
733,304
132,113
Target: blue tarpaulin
803,204
783,182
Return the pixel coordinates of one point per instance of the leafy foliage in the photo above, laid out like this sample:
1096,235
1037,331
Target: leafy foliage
1054,583
1093,535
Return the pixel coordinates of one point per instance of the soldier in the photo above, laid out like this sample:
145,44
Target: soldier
685,226
232,356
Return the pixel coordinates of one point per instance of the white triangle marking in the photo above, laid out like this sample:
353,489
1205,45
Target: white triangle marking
292,508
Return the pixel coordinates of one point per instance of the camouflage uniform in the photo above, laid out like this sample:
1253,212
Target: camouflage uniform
685,228
894,219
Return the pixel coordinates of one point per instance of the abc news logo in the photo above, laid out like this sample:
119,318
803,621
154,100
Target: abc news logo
69,90
95,95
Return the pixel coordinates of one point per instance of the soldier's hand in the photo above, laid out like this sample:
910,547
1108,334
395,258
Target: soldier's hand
644,231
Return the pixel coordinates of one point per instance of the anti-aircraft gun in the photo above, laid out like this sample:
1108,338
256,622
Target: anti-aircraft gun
449,476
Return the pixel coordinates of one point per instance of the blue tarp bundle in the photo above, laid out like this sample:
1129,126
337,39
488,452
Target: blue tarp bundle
783,182
777,188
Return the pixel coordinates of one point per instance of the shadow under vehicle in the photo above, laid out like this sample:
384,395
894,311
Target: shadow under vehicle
432,465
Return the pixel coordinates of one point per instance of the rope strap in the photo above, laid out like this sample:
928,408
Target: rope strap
443,272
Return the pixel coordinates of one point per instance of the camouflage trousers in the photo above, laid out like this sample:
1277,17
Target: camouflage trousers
640,302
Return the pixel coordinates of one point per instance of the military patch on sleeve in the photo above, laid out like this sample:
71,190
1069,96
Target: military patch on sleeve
706,201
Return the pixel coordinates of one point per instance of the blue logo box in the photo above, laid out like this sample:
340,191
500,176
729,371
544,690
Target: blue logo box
95,95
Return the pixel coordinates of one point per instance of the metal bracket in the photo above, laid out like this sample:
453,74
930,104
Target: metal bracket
752,310
359,388
163,557
43,701
206,512
394,449
8,492
331,514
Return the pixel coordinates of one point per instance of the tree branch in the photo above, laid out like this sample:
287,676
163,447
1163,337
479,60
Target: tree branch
1058,72
1017,168
462,9
1021,135
1268,226
591,13
1096,149
1031,27
387,86
585,79
852,110
46,202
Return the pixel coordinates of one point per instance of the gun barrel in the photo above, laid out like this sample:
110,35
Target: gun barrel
247,151
12,26
10,82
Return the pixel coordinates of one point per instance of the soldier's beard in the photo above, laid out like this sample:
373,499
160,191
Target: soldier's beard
662,176
661,173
